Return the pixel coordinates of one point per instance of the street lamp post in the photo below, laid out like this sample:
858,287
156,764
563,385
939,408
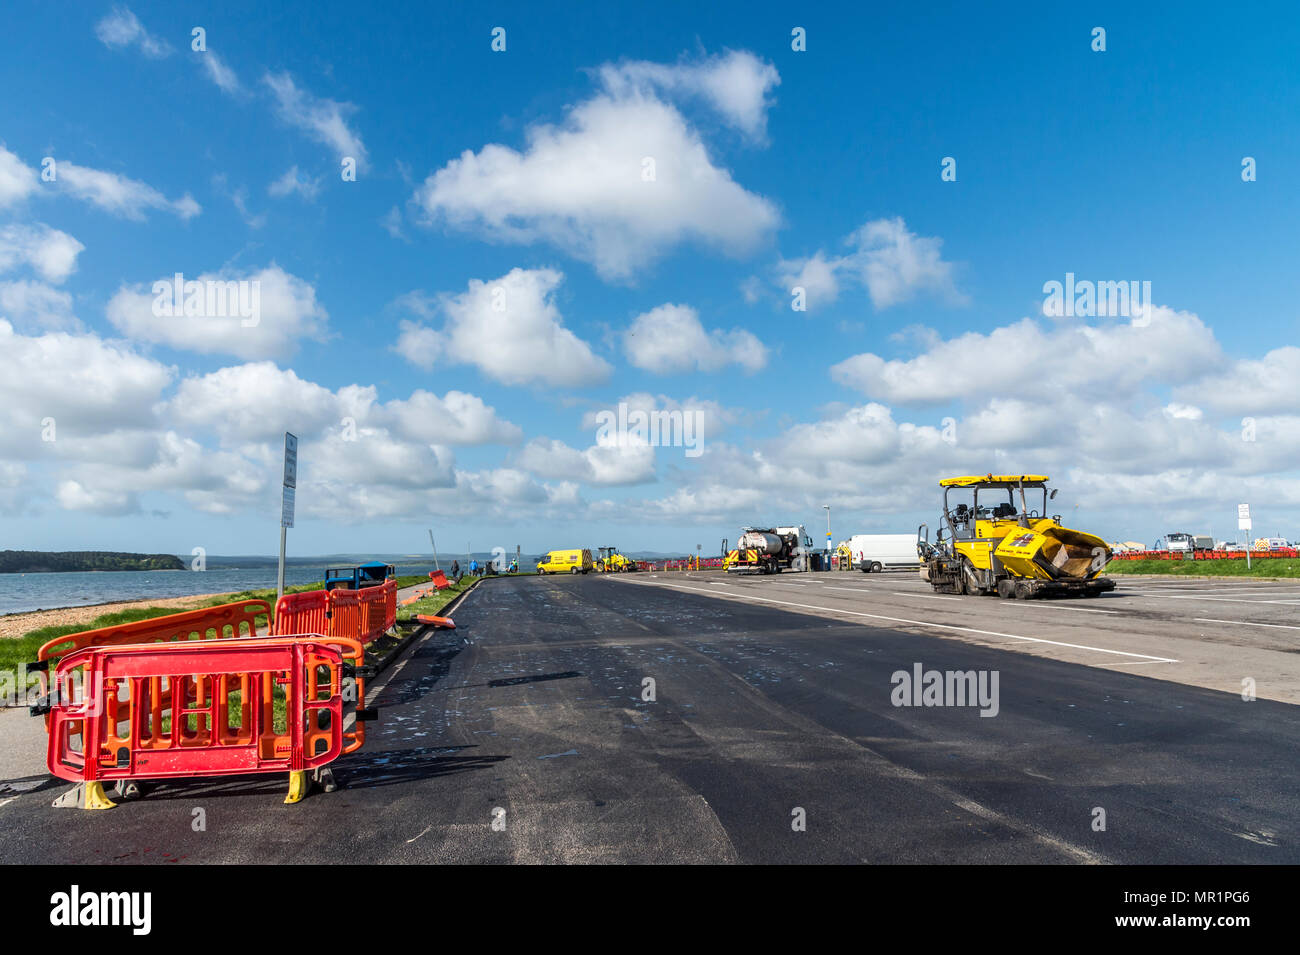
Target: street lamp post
828,534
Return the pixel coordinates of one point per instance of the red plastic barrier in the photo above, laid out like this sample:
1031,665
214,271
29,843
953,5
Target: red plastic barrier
439,578
92,740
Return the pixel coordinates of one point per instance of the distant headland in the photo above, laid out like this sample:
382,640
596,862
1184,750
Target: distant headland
54,562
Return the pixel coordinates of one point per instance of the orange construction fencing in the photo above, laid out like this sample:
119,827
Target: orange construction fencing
224,621
379,606
110,720
305,612
237,621
338,614
440,579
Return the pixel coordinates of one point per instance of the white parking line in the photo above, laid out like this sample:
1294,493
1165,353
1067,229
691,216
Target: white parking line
1246,623
1075,609
938,626
1231,600
899,593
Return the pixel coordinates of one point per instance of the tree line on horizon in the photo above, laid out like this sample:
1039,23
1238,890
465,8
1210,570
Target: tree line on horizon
38,562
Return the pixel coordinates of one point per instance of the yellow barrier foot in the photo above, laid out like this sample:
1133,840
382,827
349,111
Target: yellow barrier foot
298,786
84,796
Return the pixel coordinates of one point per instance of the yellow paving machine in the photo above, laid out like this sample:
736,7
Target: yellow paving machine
995,538
612,562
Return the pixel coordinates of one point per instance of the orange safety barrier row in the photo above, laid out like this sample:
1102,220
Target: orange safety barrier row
418,595
306,612
235,621
338,614
379,609
156,697
224,621
178,715
1204,554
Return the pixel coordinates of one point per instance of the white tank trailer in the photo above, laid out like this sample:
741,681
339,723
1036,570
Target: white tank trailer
773,549
767,545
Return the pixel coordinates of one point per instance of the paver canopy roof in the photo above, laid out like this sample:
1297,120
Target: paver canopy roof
994,480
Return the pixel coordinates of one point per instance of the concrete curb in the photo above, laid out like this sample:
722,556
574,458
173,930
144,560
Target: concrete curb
419,633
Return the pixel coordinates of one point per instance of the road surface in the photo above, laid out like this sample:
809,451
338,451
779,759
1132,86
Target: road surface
772,736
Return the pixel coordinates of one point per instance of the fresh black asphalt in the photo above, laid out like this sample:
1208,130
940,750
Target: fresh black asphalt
523,736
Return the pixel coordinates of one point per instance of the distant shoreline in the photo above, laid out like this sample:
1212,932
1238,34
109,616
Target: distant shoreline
100,570
20,622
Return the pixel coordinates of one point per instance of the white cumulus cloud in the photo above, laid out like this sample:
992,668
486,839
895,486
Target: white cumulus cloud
511,330
621,181
671,340
286,313
50,252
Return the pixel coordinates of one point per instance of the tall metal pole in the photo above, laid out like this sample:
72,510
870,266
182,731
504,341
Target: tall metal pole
288,491
436,566
279,577
828,535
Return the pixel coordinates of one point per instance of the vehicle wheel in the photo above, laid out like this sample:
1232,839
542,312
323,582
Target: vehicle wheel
876,567
573,570
968,585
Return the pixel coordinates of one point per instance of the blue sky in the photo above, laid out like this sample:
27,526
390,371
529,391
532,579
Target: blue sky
923,351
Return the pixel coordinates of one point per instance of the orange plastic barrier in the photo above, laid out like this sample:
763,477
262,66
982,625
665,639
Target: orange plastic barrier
439,579
379,607
339,615
436,621
346,618
221,622
96,735
306,612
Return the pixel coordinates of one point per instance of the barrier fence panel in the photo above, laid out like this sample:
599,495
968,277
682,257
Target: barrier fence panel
113,723
224,621
390,605
234,621
379,609
340,614
306,612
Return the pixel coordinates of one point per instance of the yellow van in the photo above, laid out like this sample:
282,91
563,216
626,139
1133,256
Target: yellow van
565,562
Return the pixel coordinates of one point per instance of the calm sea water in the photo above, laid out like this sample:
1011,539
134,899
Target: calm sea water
19,592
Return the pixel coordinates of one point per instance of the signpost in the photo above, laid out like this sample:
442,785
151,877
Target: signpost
1243,524
436,565
288,490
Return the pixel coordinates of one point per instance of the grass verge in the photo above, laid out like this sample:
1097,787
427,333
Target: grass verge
1259,567
434,602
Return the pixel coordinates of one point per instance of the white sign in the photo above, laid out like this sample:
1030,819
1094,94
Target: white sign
290,462
286,508
1243,517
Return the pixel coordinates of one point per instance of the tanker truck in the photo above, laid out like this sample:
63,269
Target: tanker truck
771,550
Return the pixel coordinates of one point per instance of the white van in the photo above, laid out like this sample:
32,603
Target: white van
872,553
